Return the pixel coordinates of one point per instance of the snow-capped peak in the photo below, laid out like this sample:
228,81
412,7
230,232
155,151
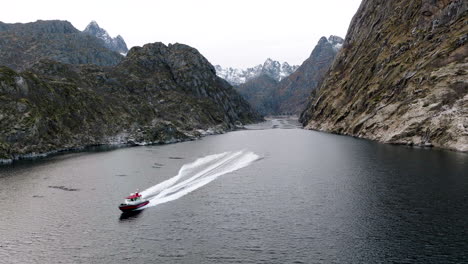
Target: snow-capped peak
94,29
336,42
272,68
93,23
116,44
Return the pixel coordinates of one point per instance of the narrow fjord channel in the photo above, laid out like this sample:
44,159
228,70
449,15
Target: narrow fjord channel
273,193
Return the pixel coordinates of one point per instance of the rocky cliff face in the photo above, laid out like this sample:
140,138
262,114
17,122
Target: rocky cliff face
157,94
400,77
22,45
116,44
274,69
289,96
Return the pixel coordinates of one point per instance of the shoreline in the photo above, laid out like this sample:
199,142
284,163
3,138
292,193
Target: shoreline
404,144
114,145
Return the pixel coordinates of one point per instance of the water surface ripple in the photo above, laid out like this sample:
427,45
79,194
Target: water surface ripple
312,198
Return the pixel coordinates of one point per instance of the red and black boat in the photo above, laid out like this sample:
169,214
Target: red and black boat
133,202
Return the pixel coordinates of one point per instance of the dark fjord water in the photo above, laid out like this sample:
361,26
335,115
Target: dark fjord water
312,198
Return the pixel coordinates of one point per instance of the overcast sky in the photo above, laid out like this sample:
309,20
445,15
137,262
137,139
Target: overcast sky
236,33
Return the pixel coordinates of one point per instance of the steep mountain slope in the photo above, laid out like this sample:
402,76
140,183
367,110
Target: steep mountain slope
292,92
258,92
156,94
273,69
22,45
400,77
289,96
116,44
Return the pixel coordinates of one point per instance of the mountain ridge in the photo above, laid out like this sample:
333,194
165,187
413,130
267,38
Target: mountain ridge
156,94
289,95
272,68
24,44
294,90
116,44
400,77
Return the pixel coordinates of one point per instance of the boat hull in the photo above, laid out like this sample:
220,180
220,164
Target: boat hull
128,207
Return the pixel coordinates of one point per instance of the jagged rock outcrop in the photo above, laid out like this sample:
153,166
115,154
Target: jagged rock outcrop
400,77
22,45
157,94
289,96
116,44
274,69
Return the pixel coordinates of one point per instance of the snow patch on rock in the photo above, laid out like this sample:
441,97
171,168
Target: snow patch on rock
116,44
272,68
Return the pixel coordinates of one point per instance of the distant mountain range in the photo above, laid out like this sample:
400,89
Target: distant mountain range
273,69
273,94
22,45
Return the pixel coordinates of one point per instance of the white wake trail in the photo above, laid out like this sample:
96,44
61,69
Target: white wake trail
197,174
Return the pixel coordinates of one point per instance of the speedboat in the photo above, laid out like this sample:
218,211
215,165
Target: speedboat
133,202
